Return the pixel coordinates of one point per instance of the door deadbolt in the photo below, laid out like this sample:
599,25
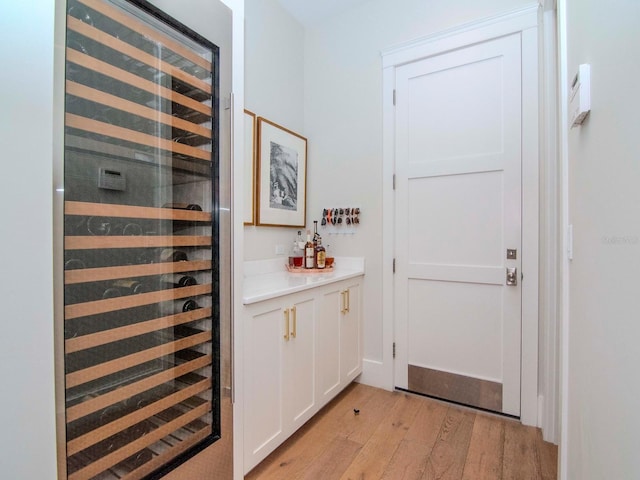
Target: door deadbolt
512,276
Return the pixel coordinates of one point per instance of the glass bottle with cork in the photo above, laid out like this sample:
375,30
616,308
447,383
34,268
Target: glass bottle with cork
309,252
320,254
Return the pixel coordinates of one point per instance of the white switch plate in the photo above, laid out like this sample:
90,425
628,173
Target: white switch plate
580,96
279,249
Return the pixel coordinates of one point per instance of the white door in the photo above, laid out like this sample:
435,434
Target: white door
458,212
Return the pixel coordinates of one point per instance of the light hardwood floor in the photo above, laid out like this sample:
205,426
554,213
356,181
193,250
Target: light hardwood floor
402,436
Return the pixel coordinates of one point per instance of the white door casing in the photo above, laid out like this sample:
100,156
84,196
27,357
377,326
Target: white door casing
524,23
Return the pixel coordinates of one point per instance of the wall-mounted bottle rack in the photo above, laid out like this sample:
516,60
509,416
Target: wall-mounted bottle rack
340,220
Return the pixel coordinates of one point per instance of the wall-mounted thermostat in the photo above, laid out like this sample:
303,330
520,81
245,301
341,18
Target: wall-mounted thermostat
109,179
580,96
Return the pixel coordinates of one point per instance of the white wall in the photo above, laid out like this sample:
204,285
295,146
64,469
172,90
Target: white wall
274,89
604,207
343,116
27,415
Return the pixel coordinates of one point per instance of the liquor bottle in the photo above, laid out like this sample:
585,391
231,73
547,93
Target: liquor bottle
309,253
297,252
177,280
320,253
315,242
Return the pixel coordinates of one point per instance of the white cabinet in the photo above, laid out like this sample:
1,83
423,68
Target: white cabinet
279,388
339,337
301,350
350,334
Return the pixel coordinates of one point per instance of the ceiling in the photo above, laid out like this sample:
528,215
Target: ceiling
311,12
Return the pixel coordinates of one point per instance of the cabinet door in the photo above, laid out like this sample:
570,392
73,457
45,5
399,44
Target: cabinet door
328,341
350,344
299,364
264,376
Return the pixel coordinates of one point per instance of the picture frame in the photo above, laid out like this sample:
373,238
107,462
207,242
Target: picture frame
250,159
282,176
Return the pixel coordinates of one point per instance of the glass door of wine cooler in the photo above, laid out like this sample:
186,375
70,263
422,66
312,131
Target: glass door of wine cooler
141,244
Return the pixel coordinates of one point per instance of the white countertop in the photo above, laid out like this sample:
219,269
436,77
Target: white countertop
266,279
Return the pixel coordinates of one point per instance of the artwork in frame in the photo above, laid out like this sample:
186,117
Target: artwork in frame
282,176
249,217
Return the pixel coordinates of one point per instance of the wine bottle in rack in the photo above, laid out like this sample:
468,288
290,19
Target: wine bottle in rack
185,305
81,13
74,264
183,206
172,255
132,230
98,226
130,287
177,280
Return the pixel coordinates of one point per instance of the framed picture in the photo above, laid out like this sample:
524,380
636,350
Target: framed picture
282,176
249,168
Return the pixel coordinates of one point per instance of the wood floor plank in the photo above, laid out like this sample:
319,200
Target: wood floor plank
294,456
409,462
341,408
484,459
520,458
359,428
447,458
376,454
426,427
548,454
334,461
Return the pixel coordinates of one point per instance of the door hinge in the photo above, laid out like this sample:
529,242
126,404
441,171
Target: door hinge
394,181
394,265
394,96
394,349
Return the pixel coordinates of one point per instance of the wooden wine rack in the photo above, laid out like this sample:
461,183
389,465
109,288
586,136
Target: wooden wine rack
141,375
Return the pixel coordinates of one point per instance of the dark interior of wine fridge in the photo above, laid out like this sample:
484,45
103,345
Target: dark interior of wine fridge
141,212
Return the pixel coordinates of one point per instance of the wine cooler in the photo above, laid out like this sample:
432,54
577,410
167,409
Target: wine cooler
144,278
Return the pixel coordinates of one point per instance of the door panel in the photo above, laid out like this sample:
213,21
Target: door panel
458,210
473,107
469,206
456,336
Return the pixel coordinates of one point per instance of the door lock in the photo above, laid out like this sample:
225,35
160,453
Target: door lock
512,276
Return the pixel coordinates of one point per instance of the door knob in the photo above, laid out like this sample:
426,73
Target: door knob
512,276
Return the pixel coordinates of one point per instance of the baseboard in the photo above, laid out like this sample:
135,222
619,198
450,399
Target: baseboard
374,374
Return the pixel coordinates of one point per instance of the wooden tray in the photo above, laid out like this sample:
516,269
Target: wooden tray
309,270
